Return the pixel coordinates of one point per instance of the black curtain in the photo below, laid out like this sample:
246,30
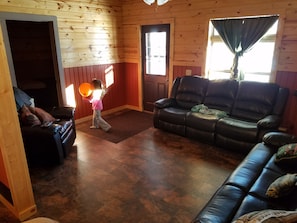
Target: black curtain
241,34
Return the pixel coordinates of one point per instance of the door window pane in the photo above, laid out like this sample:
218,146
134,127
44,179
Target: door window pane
155,55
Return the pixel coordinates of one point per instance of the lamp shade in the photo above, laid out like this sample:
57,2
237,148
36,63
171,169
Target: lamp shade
149,2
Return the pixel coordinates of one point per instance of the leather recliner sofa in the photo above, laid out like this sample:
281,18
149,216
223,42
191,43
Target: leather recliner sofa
244,191
48,137
50,145
252,109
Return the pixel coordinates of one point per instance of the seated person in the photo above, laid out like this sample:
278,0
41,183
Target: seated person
28,113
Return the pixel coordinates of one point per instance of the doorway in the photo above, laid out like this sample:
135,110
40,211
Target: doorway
30,45
34,57
155,45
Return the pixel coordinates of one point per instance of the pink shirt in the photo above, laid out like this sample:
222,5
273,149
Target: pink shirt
97,104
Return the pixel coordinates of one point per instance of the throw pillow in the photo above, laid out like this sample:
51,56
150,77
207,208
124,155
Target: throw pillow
28,118
287,154
42,115
282,186
266,216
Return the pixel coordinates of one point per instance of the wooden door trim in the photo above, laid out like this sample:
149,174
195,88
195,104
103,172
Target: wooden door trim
169,21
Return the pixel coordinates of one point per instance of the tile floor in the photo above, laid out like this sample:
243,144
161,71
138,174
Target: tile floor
153,177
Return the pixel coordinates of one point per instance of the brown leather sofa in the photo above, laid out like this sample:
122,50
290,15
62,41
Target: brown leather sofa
252,109
244,191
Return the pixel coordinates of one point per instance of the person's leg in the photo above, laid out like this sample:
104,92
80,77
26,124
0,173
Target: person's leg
95,120
103,124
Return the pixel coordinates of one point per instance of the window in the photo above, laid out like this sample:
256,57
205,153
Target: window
155,53
256,64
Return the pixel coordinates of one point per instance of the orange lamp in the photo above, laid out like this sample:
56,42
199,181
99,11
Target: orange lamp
85,89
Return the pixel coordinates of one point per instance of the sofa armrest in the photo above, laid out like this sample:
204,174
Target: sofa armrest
269,122
278,139
38,130
165,102
63,112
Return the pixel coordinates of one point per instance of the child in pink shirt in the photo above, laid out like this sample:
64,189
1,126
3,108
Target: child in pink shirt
97,106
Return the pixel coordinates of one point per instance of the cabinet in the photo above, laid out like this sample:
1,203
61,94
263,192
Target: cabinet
16,191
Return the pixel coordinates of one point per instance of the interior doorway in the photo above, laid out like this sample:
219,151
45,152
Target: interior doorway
34,58
30,44
155,45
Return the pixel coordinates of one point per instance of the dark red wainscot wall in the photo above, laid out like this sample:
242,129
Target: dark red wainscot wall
123,91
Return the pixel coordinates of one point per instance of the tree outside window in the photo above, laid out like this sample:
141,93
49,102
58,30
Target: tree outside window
255,65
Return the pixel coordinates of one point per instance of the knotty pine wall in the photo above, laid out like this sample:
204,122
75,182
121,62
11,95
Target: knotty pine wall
91,39
107,32
189,20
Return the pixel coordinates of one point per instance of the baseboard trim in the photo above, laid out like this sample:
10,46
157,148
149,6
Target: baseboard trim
108,112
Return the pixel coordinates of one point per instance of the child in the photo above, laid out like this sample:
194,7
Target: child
97,106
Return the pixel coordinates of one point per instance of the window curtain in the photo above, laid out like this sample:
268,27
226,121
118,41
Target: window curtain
240,35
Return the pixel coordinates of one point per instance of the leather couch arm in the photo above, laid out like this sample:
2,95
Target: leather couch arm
63,112
165,102
37,130
278,139
269,122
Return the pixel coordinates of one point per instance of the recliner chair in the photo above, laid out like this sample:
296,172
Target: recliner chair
49,141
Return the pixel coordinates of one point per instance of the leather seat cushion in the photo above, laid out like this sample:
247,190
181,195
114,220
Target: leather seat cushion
173,115
201,121
252,203
237,129
250,169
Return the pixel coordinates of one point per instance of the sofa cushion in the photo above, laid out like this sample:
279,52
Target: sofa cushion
287,154
249,170
221,94
263,182
201,121
173,115
254,100
282,186
237,129
266,216
191,91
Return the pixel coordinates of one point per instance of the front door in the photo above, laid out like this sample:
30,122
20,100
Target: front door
155,63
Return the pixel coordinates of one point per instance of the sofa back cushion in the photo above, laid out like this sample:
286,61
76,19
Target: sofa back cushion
254,100
221,94
191,91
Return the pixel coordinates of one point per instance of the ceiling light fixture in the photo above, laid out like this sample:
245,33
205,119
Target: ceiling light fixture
159,2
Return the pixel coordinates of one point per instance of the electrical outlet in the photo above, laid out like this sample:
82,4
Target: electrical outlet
188,72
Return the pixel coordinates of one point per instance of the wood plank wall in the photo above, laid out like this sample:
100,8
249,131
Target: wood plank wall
116,95
106,32
190,23
3,175
90,39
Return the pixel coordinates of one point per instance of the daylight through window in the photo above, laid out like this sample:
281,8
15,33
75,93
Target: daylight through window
256,64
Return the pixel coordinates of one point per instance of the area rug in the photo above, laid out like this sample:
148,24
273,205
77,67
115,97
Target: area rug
124,125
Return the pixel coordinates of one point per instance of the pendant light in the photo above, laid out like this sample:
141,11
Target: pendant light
159,2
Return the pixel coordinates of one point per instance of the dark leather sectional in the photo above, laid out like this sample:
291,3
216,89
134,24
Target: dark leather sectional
244,190
253,109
